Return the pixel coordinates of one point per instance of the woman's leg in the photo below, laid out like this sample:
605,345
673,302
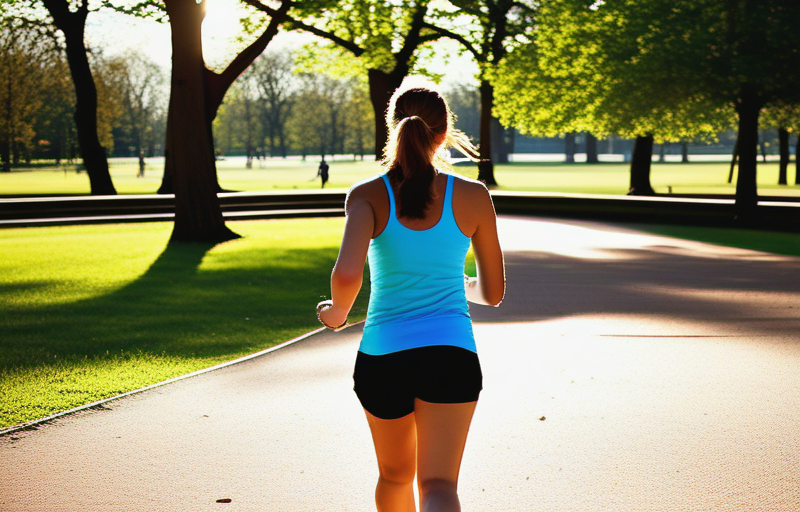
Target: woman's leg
396,448
441,436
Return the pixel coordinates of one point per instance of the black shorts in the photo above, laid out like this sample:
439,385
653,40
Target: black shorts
387,385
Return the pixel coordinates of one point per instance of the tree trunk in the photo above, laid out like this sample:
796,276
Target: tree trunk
591,149
662,153
212,86
640,166
797,161
783,138
569,148
9,142
381,87
72,24
734,159
684,152
198,216
485,165
501,148
748,108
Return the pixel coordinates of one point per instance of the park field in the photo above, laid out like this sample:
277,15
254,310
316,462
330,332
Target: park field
89,312
293,173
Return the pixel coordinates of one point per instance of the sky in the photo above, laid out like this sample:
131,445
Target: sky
117,34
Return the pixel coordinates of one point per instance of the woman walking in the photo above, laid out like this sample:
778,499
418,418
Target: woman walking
417,372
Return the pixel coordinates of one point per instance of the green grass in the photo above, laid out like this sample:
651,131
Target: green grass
279,174
89,312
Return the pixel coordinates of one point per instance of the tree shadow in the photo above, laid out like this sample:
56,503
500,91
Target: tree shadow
728,295
178,309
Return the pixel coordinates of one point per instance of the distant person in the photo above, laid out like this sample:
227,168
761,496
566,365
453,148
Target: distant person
417,372
141,164
322,172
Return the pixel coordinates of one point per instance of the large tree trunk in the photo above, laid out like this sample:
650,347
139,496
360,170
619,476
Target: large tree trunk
591,149
684,152
485,165
381,87
198,216
748,108
212,86
640,166
569,148
783,139
72,24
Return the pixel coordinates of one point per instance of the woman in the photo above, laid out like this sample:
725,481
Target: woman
417,373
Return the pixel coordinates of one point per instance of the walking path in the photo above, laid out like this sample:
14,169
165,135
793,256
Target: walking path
623,372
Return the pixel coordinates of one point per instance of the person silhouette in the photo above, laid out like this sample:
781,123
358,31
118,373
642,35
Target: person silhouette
323,171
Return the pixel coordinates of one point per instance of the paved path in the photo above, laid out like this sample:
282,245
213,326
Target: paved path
623,372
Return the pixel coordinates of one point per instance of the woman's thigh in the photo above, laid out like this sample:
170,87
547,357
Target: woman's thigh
441,436
395,446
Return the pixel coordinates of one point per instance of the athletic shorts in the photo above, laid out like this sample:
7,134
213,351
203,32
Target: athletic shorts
387,385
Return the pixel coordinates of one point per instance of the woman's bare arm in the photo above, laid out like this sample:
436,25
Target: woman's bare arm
347,275
490,285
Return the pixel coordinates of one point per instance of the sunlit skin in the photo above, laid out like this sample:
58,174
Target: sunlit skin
428,442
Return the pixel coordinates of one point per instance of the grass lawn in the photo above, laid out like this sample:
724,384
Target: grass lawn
279,174
89,312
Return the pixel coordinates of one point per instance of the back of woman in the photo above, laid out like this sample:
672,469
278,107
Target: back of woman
417,372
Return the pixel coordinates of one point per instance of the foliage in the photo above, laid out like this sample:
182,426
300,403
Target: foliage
780,114
615,67
24,61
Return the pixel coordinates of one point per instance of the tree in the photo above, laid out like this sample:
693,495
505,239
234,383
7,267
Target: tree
55,126
21,91
70,19
607,68
496,24
142,89
786,118
744,53
273,75
382,37
308,125
196,93
359,137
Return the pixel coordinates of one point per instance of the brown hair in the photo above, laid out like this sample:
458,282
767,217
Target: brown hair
420,123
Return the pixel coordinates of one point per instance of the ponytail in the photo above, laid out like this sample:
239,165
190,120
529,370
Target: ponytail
420,123
411,168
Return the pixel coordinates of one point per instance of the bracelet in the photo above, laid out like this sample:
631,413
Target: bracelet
328,304
335,328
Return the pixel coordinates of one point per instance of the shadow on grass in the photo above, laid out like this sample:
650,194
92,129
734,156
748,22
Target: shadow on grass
254,299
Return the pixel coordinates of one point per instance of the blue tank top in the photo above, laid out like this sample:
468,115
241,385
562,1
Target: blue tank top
417,296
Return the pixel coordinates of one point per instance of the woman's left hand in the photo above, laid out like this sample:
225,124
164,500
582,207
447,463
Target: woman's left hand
331,317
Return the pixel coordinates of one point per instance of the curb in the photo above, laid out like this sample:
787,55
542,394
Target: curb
33,425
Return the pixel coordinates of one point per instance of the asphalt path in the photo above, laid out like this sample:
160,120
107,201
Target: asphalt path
623,371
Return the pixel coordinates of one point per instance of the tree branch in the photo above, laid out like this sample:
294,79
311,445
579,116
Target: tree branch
297,24
412,39
452,35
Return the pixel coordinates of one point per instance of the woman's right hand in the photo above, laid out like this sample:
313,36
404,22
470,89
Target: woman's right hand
329,316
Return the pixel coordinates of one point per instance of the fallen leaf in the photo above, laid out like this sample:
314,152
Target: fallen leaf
542,418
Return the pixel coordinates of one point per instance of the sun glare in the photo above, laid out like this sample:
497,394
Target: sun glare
221,27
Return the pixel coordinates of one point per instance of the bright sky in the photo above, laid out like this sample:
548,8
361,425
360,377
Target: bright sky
118,33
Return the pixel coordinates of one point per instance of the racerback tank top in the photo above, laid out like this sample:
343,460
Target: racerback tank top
417,296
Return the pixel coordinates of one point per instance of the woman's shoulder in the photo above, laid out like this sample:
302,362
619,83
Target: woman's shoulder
469,187
368,189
